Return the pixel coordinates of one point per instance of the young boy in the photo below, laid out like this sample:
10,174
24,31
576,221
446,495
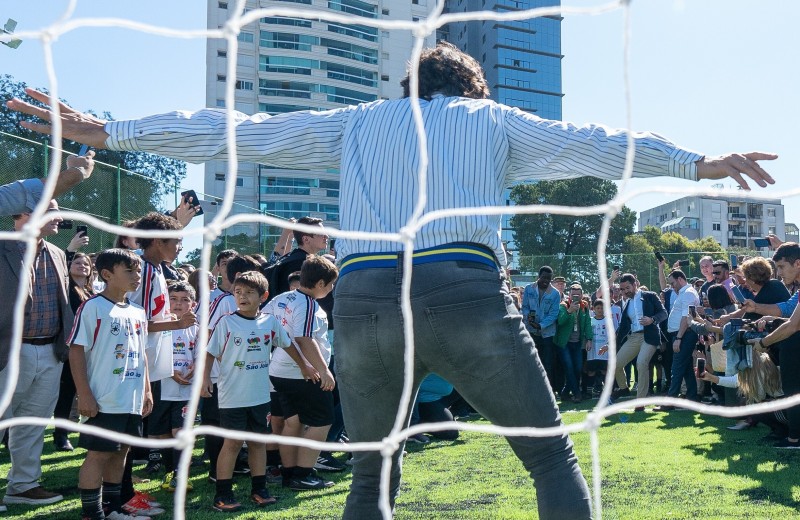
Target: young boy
109,366
306,403
597,352
153,296
176,391
241,343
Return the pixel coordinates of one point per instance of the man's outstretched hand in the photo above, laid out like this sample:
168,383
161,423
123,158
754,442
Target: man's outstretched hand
75,126
736,166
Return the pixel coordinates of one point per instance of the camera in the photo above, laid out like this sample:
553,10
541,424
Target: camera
747,330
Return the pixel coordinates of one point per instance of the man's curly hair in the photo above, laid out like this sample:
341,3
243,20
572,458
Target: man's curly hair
446,70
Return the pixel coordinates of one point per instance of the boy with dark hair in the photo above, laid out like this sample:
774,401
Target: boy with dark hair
231,267
108,363
153,296
177,390
241,343
220,271
306,403
308,244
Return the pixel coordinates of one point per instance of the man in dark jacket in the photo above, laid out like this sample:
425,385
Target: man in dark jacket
638,334
307,244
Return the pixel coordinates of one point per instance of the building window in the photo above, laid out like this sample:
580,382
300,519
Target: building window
384,77
717,226
239,182
222,54
222,5
221,77
245,37
771,212
385,12
244,85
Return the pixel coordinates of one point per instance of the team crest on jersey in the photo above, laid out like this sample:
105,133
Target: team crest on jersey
237,341
115,327
191,345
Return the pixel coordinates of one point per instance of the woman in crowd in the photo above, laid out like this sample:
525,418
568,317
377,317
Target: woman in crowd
80,290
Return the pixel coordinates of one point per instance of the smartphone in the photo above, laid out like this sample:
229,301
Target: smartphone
693,311
616,267
683,263
332,243
195,203
737,293
84,149
709,312
760,242
65,224
701,366
81,230
659,256
734,262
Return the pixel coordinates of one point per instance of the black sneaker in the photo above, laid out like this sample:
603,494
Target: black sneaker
262,498
153,467
326,462
620,392
274,475
226,503
784,444
311,482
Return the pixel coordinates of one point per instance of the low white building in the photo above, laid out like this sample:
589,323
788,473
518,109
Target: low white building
732,222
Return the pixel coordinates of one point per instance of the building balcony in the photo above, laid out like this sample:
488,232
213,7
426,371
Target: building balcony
737,216
737,234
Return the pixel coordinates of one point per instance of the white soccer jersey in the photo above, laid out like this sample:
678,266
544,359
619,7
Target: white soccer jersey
153,296
301,316
113,337
600,339
242,345
184,354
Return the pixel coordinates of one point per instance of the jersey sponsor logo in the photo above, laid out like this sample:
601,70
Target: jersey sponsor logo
239,364
253,343
118,371
115,327
257,365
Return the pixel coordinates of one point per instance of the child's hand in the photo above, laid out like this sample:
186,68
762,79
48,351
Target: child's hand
309,373
181,380
147,402
326,381
207,388
87,405
187,320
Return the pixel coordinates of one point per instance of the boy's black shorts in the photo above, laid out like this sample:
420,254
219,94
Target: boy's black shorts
275,405
209,413
246,419
305,399
166,416
596,365
114,422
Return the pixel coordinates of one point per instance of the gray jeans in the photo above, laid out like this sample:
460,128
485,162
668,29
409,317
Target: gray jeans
467,330
34,396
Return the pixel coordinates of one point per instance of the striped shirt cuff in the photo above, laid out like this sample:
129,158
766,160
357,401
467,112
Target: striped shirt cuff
682,164
121,136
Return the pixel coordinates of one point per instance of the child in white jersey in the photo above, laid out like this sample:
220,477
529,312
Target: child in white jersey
242,343
597,362
107,358
176,391
305,402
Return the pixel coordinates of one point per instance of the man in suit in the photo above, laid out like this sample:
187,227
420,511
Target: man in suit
638,335
47,319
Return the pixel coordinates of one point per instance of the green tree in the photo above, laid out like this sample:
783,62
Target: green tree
566,242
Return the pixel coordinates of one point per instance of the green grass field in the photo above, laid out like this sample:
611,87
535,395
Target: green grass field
654,466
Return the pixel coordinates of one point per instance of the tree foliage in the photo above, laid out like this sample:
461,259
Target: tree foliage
22,160
569,241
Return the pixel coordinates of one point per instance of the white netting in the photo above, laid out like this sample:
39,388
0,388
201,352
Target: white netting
405,237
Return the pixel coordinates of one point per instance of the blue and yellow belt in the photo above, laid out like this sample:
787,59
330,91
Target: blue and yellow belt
455,251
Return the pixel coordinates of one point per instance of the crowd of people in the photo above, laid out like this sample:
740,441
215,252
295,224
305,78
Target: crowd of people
699,338
459,298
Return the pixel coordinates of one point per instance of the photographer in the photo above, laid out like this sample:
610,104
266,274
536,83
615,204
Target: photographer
720,303
787,261
573,335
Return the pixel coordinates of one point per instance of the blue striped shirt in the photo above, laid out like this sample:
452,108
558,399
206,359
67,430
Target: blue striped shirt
476,149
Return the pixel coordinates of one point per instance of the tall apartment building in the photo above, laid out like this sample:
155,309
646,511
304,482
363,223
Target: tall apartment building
732,222
286,64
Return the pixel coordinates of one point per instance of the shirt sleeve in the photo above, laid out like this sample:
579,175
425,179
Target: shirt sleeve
552,316
280,338
216,344
545,149
20,196
303,319
298,140
787,307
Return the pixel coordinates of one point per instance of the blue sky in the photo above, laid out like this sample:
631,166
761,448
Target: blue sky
712,75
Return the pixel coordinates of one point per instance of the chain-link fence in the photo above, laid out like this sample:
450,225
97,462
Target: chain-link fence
115,195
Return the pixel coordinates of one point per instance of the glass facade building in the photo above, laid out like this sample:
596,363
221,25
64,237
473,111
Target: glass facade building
286,64
521,59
